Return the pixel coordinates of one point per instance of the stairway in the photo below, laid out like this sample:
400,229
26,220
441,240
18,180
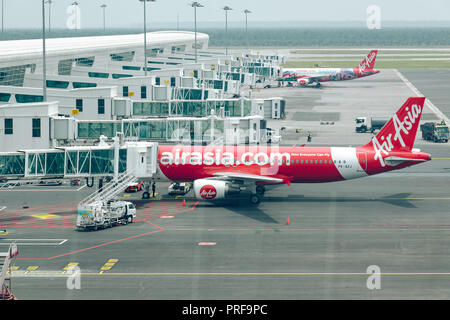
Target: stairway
111,190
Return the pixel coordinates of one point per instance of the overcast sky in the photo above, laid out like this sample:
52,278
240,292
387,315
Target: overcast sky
128,13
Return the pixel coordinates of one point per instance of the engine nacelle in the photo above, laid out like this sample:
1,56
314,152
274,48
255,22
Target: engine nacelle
205,189
303,82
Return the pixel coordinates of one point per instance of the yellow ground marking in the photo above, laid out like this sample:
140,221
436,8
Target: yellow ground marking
126,195
70,265
44,216
108,265
13,268
31,268
269,274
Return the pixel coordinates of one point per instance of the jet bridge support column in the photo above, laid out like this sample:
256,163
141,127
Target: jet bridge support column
116,140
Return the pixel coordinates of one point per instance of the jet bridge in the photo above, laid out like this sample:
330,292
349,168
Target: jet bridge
102,160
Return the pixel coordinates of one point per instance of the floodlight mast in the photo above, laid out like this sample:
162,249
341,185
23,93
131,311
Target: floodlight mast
246,12
226,9
145,33
196,5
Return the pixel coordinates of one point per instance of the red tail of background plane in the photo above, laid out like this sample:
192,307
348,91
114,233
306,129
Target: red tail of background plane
369,62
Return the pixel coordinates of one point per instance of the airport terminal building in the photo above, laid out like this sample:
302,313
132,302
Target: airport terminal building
97,88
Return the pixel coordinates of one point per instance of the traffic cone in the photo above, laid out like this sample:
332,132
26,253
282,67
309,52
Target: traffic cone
184,202
288,221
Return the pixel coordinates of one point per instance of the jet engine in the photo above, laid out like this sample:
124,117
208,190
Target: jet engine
205,189
303,82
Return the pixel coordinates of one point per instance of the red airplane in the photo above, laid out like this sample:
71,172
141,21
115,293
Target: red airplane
309,76
221,171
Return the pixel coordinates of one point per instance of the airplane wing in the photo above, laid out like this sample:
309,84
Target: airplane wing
246,177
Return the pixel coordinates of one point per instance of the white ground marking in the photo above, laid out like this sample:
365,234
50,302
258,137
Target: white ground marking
33,242
83,186
430,105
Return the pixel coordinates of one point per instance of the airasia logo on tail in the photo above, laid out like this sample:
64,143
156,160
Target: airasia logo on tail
367,63
393,135
208,192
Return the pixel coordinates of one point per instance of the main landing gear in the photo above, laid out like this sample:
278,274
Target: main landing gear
256,197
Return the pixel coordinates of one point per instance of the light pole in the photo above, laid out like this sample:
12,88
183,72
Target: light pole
44,64
3,15
196,5
103,6
145,33
226,8
49,14
246,12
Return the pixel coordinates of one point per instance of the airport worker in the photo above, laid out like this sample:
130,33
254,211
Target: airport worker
153,188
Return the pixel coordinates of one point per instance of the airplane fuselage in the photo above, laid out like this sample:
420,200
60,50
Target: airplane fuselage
326,74
290,164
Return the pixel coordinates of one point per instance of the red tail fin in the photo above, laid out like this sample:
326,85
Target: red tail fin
399,133
369,62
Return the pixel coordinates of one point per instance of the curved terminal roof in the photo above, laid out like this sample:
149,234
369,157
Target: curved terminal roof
25,49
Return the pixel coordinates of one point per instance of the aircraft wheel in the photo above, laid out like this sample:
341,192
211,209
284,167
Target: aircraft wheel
260,190
318,85
255,199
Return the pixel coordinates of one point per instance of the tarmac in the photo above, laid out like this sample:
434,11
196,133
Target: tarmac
397,223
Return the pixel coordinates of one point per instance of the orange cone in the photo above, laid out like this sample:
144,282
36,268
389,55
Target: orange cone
288,221
184,202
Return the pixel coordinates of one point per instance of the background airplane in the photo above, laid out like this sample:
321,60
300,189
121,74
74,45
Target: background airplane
309,76
222,171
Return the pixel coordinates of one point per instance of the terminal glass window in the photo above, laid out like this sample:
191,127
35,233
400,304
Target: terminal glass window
78,85
36,129
101,106
98,75
118,76
12,164
125,91
4,97
134,68
27,98
55,163
247,108
157,81
143,92
8,126
57,84
102,161
79,104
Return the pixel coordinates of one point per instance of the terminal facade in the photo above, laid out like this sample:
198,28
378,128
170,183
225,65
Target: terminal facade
97,89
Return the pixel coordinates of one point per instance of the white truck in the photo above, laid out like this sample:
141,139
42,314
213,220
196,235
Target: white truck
272,136
363,124
100,215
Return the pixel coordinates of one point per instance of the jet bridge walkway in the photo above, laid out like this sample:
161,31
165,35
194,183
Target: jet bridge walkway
103,160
